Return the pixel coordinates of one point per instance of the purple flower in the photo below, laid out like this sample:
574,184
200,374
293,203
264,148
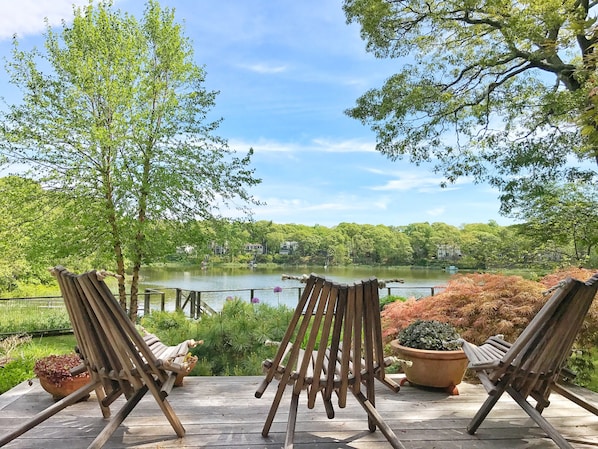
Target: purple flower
277,289
229,298
255,300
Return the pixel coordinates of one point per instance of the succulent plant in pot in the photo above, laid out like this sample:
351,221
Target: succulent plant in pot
55,376
435,352
430,335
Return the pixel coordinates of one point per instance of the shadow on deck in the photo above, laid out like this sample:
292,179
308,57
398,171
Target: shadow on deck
222,412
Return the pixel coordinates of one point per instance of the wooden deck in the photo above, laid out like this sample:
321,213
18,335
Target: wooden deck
221,412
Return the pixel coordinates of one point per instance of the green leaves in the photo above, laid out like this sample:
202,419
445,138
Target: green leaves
114,120
487,89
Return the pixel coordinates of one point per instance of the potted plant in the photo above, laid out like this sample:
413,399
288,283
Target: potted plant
54,374
436,355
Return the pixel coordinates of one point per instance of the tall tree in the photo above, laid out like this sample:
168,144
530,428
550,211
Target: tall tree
119,126
500,90
566,215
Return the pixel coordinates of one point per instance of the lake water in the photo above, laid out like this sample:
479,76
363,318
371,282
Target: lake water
216,284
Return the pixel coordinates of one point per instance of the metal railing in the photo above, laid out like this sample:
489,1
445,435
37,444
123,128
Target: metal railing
45,315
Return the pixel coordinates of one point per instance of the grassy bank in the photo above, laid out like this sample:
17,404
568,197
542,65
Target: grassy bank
16,363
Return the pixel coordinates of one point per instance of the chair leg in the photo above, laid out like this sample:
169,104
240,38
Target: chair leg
166,408
288,442
371,390
488,404
566,393
273,408
117,420
377,418
560,441
72,398
328,406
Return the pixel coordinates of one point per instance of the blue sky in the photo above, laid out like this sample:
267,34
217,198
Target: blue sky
286,70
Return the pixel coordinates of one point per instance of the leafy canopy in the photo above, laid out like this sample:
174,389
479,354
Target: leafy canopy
114,119
497,90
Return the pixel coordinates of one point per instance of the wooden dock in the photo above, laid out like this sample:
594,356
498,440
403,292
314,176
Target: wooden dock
222,413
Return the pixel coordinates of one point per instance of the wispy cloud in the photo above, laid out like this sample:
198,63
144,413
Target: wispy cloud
418,179
411,182
344,146
314,145
265,68
26,17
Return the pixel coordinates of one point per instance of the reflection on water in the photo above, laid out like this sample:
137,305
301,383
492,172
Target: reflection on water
216,284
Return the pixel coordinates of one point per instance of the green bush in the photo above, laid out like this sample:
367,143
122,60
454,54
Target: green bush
389,299
234,340
171,327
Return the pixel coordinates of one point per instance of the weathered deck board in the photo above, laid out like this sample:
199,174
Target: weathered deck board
221,412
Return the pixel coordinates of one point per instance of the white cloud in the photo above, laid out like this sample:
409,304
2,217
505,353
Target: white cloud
411,181
265,68
26,17
344,146
315,145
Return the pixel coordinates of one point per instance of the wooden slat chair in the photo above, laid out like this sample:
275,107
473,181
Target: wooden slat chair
120,361
333,345
532,364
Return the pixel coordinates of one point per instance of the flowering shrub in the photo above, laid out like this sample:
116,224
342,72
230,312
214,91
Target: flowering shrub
56,368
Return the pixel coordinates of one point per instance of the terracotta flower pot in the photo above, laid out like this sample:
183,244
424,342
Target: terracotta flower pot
65,388
54,374
438,369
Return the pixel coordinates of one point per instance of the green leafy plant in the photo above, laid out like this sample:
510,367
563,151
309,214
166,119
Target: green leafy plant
389,299
431,335
234,339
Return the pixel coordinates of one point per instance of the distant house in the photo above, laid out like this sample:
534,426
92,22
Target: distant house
254,248
287,248
219,250
187,249
448,252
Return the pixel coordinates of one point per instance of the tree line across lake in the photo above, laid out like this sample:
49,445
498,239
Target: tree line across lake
35,234
479,246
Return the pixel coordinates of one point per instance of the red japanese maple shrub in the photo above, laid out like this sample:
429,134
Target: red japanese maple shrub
478,305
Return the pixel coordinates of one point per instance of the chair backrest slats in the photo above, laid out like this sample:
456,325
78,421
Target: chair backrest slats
311,323
288,336
321,358
348,323
533,329
335,341
358,343
540,352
